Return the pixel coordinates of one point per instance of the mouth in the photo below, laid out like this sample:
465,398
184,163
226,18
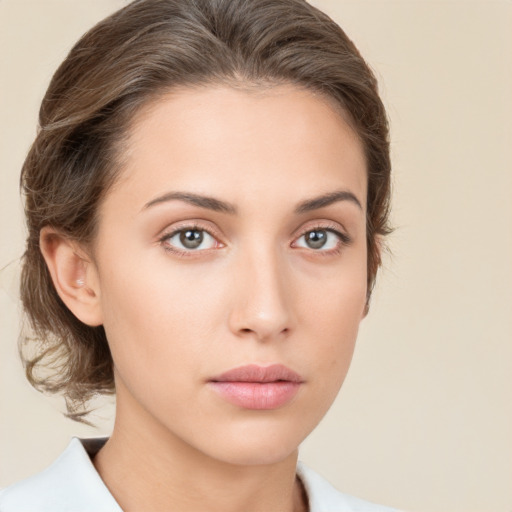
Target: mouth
257,387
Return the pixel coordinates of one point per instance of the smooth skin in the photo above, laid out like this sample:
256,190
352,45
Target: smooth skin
263,279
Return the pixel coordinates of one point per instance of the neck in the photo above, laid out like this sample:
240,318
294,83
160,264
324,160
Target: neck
146,467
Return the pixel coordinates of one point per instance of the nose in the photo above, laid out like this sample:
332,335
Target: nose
262,300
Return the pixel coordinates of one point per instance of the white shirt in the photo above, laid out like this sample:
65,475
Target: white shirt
72,484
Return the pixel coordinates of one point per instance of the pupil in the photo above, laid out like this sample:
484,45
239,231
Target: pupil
191,238
316,239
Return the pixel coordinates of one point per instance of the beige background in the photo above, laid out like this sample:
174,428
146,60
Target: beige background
424,421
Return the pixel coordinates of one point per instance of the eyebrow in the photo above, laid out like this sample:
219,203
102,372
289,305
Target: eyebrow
327,199
207,202
211,203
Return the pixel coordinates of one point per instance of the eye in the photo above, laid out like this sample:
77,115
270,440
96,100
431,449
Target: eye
189,239
325,239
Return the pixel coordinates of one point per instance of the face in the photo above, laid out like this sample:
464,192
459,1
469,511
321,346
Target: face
231,268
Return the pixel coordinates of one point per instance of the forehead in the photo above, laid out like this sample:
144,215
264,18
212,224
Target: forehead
242,143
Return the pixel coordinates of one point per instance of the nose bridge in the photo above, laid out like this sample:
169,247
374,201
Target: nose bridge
262,302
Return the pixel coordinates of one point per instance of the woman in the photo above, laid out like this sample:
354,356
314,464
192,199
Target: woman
206,201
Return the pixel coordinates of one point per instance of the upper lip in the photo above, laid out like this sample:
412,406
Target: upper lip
256,373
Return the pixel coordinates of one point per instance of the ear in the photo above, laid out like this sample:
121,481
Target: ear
74,275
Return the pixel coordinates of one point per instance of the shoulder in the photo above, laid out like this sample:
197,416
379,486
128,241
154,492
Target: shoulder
70,483
323,497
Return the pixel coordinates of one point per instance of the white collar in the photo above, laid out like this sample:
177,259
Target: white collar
72,484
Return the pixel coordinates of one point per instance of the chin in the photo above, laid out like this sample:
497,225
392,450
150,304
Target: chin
263,454
260,443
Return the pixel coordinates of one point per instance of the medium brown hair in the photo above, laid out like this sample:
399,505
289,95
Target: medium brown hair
127,60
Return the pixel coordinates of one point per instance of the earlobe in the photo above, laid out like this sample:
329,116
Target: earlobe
73,274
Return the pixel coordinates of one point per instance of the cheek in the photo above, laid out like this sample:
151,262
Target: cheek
331,315
334,298
158,315
149,329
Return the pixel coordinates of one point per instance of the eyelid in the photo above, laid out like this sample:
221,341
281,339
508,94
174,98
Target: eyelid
328,226
170,231
344,238
199,224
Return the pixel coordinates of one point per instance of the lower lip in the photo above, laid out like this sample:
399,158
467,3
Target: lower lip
257,395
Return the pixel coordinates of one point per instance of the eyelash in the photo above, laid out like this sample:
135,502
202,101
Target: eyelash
186,227
344,239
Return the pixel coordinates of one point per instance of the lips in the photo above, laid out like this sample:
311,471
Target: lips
257,387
